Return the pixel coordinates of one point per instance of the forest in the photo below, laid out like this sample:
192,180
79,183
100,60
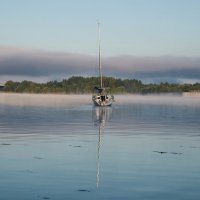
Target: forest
85,85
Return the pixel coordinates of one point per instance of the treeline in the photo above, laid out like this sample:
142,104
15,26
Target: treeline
83,85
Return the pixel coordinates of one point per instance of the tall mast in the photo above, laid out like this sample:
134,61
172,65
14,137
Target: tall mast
100,68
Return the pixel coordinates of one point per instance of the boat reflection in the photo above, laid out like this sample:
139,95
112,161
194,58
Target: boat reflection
101,117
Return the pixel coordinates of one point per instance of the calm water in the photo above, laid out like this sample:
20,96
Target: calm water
58,147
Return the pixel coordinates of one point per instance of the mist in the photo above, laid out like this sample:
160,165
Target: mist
40,65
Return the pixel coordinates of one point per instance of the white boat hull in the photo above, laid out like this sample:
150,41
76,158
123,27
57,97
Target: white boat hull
102,100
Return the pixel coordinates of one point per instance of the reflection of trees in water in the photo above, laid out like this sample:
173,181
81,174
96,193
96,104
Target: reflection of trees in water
101,116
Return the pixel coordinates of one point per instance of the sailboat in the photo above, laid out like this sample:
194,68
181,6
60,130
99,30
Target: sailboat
101,95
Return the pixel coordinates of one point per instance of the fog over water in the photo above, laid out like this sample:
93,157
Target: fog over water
26,99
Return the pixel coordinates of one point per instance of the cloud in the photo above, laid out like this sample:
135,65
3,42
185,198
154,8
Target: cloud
156,67
42,63
36,63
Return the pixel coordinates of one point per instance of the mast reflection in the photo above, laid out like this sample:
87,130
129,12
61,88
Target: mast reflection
101,117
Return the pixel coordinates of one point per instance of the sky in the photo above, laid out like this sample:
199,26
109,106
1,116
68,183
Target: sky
151,40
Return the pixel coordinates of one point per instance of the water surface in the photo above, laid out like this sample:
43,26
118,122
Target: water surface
61,147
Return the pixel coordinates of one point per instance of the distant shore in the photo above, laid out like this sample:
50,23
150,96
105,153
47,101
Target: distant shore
85,85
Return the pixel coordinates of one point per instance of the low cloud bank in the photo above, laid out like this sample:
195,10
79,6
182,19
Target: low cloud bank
36,63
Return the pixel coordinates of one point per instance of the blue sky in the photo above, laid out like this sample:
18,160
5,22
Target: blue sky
137,28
